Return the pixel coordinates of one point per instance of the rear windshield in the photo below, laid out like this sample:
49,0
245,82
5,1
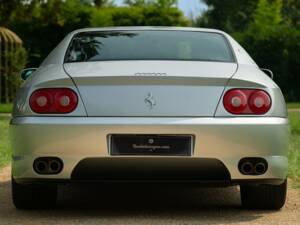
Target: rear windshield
148,45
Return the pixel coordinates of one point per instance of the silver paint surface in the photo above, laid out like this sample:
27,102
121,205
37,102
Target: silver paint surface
149,97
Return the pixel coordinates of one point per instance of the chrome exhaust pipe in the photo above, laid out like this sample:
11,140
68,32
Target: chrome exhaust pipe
253,166
55,166
246,168
41,166
260,168
48,165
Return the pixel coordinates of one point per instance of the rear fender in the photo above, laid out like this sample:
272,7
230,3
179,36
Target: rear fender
250,76
48,76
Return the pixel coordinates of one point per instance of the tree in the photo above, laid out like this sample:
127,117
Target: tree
6,9
291,13
267,18
166,3
229,15
45,23
157,3
102,3
147,15
138,3
274,45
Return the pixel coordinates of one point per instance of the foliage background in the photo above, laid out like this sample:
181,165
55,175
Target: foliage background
268,29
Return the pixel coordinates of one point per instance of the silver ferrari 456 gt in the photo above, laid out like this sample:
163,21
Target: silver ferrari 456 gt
149,104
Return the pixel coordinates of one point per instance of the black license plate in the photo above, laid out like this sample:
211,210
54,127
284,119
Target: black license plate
176,145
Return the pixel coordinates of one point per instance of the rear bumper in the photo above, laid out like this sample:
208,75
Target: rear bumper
223,141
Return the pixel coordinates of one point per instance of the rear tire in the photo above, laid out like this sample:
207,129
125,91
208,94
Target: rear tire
264,196
33,197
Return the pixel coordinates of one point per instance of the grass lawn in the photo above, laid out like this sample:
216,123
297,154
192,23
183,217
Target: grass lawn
5,150
293,105
293,154
5,108
294,147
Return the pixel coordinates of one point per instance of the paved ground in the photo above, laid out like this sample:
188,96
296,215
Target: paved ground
120,204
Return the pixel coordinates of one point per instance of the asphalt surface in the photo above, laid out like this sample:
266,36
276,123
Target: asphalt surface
145,204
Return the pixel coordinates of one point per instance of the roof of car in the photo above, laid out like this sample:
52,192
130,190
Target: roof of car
147,28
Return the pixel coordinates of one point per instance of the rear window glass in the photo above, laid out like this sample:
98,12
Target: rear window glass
148,45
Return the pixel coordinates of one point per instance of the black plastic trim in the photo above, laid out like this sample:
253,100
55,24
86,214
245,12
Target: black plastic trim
150,168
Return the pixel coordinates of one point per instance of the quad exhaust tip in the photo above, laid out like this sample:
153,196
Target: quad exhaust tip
48,165
253,166
260,168
246,168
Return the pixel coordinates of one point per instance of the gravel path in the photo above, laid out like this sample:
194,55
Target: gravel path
5,114
121,204
293,110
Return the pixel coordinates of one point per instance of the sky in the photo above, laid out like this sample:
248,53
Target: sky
189,7
194,7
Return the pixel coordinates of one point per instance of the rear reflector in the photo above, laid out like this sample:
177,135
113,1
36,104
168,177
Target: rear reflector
247,101
53,100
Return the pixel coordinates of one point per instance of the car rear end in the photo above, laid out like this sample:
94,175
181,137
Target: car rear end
133,116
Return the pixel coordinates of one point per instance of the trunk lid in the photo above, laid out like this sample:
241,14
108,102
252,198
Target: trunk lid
150,88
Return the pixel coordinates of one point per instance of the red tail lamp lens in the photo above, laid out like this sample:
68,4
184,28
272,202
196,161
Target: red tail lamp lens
247,101
235,101
53,100
41,101
65,101
259,102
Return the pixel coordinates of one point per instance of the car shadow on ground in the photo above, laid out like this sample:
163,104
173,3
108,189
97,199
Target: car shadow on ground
135,204
146,196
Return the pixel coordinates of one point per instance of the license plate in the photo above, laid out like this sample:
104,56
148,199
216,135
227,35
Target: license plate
176,145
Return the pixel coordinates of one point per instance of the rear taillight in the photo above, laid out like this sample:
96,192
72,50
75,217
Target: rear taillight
53,100
247,101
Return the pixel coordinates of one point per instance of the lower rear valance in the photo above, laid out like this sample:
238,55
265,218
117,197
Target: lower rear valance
152,168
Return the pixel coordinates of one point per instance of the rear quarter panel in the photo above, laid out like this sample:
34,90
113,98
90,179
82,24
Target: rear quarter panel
250,76
47,76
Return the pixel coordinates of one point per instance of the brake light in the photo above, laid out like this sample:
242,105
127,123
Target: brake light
247,101
53,100
259,102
